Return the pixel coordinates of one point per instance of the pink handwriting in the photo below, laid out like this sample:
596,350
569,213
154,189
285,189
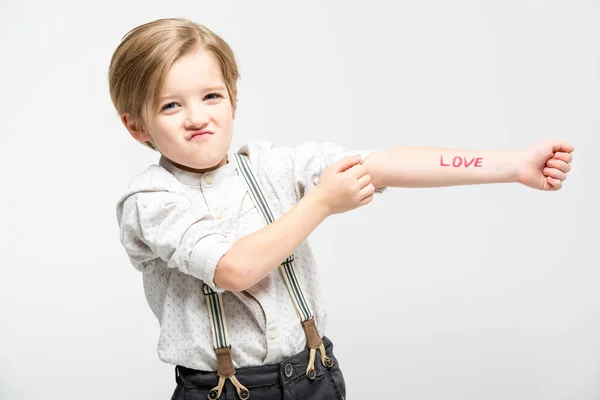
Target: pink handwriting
459,161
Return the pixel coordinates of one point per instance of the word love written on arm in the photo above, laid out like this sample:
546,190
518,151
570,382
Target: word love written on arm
462,161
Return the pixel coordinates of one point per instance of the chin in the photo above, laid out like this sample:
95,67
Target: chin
213,163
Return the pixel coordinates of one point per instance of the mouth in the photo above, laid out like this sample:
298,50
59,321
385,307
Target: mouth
199,133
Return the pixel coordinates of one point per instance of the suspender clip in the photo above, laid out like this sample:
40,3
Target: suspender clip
314,342
225,370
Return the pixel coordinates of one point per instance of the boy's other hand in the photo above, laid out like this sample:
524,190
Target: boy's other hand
345,185
545,165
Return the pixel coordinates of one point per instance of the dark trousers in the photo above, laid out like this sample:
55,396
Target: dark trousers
283,381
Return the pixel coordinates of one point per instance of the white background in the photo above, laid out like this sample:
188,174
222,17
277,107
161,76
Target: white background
475,292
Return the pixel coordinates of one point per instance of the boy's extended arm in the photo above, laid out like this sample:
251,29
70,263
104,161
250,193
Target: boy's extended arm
542,166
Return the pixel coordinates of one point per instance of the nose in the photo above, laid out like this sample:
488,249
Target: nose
196,117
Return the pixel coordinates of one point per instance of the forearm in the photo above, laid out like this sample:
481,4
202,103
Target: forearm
254,256
432,167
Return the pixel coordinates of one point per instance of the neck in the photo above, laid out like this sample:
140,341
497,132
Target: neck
199,171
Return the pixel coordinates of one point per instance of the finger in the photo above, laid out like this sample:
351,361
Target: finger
347,162
555,173
357,170
364,180
566,157
366,191
555,184
559,165
366,200
559,145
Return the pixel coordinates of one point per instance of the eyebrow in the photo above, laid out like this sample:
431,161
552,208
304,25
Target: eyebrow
207,89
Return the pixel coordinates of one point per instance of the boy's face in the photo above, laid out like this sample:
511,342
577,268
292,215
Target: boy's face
194,122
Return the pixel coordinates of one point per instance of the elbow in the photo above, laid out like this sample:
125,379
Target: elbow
233,276
375,165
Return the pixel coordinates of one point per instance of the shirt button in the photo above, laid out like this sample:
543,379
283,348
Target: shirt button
208,179
273,334
220,215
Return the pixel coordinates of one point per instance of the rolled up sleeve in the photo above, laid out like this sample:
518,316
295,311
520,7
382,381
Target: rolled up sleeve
311,159
168,226
301,165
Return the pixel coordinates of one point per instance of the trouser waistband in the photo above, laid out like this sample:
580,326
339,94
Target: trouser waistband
272,374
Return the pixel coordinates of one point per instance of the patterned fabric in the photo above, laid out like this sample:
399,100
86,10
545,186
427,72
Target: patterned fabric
175,226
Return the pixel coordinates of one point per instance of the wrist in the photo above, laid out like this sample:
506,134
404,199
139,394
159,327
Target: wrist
514,170
318,202
504,167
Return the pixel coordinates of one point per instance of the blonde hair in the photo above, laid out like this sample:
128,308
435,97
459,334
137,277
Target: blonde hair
140,63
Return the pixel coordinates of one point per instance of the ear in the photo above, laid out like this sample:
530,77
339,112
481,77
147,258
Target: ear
135,128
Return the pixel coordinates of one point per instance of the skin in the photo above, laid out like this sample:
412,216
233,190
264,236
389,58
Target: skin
543,166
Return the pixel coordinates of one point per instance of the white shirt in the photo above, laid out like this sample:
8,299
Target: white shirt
175,226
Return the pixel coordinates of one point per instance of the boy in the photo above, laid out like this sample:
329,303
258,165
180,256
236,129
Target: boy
194,223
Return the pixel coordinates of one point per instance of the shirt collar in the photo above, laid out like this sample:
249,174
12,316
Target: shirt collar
194,178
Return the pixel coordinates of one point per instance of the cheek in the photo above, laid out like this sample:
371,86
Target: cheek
167,125
224,110
225,117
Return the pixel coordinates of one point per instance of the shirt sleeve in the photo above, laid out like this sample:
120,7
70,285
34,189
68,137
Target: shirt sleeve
168,226
305,163
312,159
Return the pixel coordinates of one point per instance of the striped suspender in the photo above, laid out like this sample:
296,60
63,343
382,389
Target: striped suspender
313,339
225,369
287,267
214,303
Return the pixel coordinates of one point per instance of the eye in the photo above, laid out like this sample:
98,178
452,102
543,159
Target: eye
212,96
169,106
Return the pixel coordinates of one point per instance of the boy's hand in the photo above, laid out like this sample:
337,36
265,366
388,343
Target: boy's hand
345,185
545,165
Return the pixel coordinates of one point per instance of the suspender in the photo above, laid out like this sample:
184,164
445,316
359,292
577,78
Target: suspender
214,303
287,267
225,368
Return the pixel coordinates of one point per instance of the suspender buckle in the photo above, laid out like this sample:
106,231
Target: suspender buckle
325,359
242,391
225,370
310,369
314,342
215,392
